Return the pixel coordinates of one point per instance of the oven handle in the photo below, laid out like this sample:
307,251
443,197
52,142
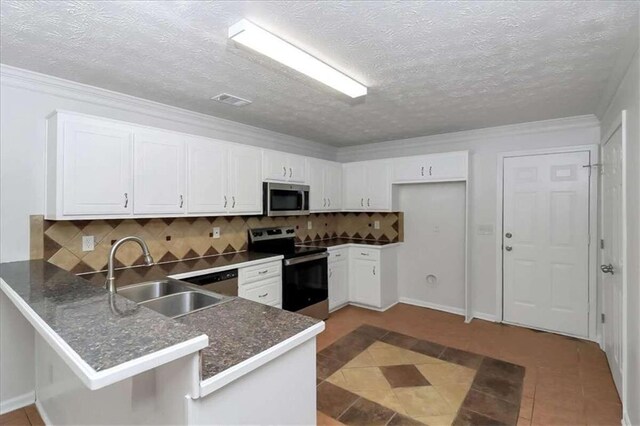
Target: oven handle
310,258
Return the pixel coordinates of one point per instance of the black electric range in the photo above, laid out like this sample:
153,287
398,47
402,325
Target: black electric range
304,270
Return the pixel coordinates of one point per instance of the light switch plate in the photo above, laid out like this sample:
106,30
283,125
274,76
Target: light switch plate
376,224
88,243
216,232
309,224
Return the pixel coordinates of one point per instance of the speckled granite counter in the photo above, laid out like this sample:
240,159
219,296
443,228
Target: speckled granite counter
140,274
104,330
332,242
241,329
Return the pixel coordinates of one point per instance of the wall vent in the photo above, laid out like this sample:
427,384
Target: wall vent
226,98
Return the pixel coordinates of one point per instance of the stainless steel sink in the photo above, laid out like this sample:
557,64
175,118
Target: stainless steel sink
152,290
180,304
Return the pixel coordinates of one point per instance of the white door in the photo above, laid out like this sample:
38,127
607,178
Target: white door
378,186
317,199
159,170
612,252
297,168
275,166
355,184
338,290
333,186
245,183
546,242
365,282
207,174
97,170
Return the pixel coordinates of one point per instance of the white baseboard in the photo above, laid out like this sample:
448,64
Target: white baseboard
372,308
626,421
43,413
485,317
437,307
16,402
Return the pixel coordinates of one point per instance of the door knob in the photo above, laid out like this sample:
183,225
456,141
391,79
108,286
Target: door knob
508,235
607,269
508,248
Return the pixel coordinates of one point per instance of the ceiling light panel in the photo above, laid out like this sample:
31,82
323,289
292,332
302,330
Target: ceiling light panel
262,41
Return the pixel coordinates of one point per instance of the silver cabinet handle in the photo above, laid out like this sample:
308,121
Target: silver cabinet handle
329,202
284,171
225,201
361,202
233,202
368,202
508,248
325,202
374,270
126,200
364,254
290,172
422,170
430,167
181,200
338,255
330,273
263,295
263,272
607,269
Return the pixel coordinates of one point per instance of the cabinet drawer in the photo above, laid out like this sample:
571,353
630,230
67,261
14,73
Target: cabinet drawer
259,272
270,293
365,253
337,255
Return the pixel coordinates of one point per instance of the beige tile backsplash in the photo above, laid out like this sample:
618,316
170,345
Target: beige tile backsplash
60,242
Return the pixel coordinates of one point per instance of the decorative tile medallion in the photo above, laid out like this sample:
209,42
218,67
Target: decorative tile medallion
375,376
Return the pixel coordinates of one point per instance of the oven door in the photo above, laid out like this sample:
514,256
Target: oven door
285,200
304,281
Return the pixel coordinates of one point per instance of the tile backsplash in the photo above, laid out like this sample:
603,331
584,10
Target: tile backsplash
60,242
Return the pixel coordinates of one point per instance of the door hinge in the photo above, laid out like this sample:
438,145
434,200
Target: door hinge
602,318
602,244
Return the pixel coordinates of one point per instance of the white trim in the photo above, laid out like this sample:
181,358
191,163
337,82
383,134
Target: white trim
593,228
43,414
621,123
485,317
236,132
561,333
233,373
371,308
390,149
437,307
91,378
197,272
17,402
626,420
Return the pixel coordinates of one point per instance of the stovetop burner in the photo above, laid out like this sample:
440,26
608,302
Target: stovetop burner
280,240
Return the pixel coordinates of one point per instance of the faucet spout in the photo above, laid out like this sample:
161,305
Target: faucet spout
110,283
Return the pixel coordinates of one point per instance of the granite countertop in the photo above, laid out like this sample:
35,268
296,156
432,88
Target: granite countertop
332,242
240,329
139,274
104,329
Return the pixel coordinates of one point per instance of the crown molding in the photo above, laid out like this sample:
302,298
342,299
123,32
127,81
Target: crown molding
392,148
236,132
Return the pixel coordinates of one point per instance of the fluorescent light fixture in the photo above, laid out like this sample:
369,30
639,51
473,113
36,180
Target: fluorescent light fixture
262,41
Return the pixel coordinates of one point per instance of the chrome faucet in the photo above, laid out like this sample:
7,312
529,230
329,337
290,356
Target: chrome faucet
110,284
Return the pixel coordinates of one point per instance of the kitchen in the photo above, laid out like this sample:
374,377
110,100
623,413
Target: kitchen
169,255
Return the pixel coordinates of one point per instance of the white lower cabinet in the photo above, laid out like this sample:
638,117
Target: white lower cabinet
373,277
338,266
261,283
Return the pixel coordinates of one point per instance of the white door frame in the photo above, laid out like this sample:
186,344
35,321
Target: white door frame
593,227
619,123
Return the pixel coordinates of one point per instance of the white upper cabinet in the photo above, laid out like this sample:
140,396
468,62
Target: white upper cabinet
325,181
159,173
207,176
88,167
245,183
367,186
282,167
434,167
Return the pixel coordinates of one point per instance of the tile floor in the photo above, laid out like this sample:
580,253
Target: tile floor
566,381
27,416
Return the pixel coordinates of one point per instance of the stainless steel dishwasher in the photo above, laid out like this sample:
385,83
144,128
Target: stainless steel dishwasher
225,282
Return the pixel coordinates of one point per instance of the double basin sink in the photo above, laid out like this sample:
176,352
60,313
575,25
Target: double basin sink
171,298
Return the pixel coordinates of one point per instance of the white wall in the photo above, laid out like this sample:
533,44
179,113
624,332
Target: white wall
26,98
434,224
484,146
628,97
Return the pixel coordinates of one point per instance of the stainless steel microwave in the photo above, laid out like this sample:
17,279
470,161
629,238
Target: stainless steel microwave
283,199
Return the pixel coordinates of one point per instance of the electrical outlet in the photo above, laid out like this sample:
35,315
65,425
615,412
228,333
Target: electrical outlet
309,224
376,224
88,243
216,232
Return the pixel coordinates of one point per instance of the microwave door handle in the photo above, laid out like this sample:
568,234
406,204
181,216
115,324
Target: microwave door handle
302,198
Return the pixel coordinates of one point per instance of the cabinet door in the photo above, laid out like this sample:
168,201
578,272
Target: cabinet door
378,194
338,284
296,166
315,173
97,170
207,177
410,169
275,167
365,282
245,182
159,166
354,177
333,186
447,166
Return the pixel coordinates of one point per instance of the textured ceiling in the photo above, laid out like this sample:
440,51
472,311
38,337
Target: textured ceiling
432,67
